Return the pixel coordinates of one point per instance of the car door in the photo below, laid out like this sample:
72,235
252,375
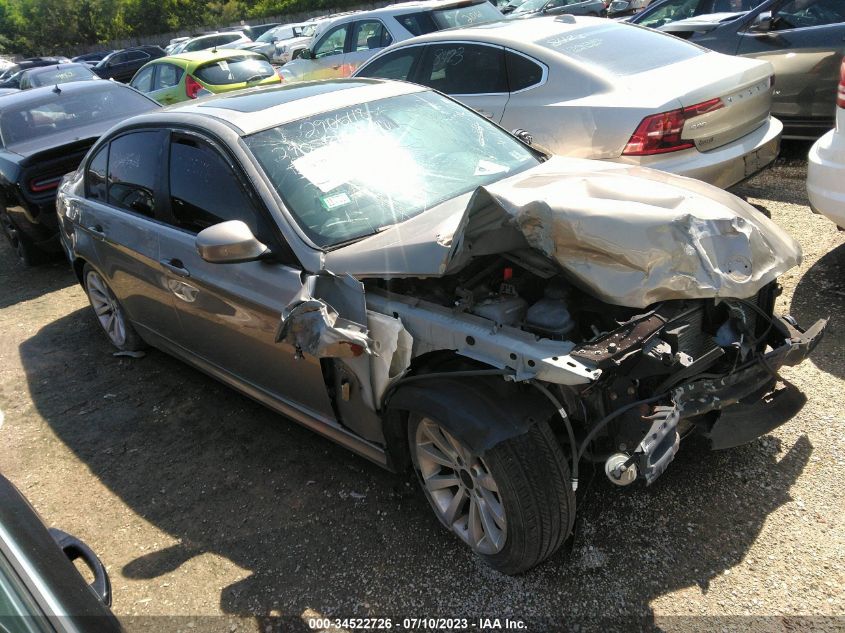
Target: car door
368,38
119,230
143,80
134,60
230,312
166,84
805,42
328,54
472,73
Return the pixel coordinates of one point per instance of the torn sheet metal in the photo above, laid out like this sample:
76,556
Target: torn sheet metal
632,236
629,236
313,326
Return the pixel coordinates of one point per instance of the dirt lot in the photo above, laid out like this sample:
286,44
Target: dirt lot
202,503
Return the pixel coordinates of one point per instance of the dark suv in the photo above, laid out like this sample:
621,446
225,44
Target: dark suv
122,65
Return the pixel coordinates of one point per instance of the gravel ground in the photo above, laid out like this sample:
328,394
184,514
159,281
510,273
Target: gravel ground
202,503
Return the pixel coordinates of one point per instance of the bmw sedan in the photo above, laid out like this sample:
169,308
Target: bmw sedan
401,275
599,89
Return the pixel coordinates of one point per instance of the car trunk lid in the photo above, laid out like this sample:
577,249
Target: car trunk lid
723,98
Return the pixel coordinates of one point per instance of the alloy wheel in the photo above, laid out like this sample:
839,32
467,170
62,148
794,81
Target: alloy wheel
106,308
460,488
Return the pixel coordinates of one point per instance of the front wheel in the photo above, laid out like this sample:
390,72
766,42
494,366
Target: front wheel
513,505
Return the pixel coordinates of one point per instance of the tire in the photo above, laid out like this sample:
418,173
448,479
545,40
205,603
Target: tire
27,253
109,313
529,478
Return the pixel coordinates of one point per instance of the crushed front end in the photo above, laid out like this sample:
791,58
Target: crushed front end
703,366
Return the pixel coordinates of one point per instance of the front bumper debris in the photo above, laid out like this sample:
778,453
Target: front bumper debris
754,407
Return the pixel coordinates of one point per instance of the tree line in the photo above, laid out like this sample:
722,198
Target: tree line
45,27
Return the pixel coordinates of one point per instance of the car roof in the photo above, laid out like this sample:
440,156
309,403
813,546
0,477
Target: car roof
256,109
36,95
207,55
37,70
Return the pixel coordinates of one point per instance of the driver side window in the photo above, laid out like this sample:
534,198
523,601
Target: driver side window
671,11
797,14
333,43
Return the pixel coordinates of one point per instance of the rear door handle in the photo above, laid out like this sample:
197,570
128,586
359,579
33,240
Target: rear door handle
97,232
176,267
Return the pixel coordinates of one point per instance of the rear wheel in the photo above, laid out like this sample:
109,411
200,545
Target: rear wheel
27,253
109,312
512,506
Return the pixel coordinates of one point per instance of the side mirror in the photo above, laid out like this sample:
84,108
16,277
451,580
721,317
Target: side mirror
229,243
306,53
762,23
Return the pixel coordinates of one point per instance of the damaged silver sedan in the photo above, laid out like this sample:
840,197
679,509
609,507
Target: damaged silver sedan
394,271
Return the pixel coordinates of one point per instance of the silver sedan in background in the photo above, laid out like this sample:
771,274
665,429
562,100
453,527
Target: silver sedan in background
599,89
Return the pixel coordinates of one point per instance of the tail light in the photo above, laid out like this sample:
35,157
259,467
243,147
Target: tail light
840,92
39,185
661,133
192,87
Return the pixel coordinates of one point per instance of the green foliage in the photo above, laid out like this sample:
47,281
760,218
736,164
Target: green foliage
44,27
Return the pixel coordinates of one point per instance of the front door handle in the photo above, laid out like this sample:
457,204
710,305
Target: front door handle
97,232
176,267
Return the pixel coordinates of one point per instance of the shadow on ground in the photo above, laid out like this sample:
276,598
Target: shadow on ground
21,283
821,294
319,528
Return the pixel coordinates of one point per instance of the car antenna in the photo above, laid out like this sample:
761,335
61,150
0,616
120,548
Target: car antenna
57,90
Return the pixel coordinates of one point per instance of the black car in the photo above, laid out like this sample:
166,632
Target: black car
11,76
55,75
122,65
803,39
44,133
40,588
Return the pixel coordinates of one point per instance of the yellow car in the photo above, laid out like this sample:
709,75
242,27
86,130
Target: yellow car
190,75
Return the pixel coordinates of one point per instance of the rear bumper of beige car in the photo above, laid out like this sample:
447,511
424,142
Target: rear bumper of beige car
724,166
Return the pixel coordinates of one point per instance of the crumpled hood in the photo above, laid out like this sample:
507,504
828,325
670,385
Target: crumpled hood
628,235
633,236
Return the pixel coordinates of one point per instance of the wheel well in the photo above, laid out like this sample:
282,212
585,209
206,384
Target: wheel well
78,266
499,410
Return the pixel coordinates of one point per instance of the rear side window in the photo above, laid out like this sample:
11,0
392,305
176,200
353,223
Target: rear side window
143,81
395,65
235,70
95,177
522,72
466,15
204,190
621,49
133,56
417,23
168,76
133,168
464,69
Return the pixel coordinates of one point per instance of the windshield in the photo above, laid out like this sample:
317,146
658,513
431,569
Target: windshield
466,15
277,33
60,75
530,6
351,172
53,113
235,70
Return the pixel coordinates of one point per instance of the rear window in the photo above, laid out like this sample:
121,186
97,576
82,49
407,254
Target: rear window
60,75
463,15
234,70
56,113
466,15
621,49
